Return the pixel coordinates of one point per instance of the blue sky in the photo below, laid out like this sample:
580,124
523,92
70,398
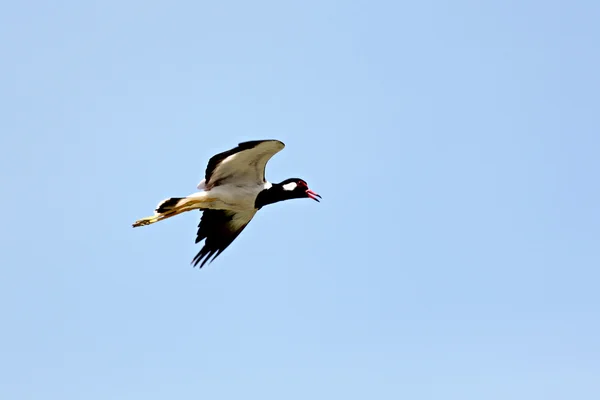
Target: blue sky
455,254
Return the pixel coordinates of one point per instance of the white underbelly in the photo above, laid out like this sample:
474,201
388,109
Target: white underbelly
228,197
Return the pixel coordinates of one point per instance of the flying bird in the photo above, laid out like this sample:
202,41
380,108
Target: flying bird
233,190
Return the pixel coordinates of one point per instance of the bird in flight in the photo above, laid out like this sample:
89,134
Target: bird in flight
233,190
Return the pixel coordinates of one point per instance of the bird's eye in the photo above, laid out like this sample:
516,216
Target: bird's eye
302,183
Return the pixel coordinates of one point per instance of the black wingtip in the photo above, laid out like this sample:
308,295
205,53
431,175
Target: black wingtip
204,257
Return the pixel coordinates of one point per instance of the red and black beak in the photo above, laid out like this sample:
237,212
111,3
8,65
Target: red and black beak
313,195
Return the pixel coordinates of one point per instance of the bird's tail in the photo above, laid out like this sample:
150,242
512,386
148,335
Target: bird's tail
170,204
165,209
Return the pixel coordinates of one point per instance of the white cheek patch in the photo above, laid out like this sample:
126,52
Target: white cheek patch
290,186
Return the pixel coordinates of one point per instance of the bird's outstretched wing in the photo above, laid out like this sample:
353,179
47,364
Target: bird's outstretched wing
219,228
244,163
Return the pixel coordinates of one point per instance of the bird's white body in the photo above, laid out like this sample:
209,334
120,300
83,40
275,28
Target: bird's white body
230,196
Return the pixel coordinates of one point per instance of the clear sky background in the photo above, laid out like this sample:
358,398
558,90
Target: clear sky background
455,254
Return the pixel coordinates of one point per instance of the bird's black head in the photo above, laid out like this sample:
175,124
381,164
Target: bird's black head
293,188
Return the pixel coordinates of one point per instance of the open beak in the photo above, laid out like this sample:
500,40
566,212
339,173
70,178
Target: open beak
313,195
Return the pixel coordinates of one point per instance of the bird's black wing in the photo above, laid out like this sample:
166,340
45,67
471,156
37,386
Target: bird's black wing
219,228
249,162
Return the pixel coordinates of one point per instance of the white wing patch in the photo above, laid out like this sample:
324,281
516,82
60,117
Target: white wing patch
247,166
241,219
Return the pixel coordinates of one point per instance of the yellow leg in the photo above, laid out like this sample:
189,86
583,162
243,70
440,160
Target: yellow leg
152,219
159,217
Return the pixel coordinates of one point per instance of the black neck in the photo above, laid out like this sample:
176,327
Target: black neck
271,195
